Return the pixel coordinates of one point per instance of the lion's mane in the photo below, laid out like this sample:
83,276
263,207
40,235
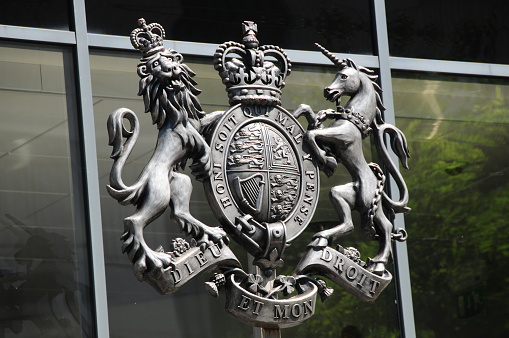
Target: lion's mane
170,98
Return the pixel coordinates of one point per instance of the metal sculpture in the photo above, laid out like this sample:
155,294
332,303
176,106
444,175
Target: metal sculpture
341,141
169,94
260,169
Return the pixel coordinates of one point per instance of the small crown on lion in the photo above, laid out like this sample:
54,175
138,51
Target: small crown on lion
251,78
148,39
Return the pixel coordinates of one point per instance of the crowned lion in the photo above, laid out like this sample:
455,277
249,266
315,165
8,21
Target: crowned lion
169,94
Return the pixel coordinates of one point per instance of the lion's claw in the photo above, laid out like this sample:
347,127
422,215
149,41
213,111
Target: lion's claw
143,258
213,236
201,170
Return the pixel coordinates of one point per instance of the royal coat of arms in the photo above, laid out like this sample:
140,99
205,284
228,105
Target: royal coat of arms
260,169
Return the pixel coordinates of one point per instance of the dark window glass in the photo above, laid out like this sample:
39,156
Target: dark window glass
458,243
344,27
53,14
449,30
44,276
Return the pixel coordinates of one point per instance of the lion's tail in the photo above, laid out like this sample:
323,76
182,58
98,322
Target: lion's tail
121,151
400,148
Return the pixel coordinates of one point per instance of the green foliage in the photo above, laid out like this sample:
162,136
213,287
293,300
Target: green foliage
459,187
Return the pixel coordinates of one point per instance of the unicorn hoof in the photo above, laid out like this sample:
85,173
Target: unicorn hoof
318,242
377,268
330,166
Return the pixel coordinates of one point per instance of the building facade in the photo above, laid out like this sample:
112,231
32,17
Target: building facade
65,65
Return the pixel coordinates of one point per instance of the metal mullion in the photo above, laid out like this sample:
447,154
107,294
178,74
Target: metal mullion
443,66
405,306
89,157
37,34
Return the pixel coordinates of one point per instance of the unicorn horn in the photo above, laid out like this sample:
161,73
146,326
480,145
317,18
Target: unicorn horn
331,56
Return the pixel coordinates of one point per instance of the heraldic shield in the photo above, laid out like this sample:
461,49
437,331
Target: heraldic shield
263,177
260,170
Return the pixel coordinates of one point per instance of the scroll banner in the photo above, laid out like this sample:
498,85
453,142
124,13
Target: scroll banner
343,271
189,265
267,312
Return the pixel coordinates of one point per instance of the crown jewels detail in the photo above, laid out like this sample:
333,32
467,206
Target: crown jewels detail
148,39
252,79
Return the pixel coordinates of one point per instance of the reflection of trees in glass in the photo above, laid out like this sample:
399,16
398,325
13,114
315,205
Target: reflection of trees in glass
39,286
458,239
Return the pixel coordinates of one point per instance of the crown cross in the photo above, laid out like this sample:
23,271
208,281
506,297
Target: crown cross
251,78
148,39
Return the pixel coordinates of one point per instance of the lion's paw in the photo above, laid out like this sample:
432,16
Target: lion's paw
144,259
212,236
201,169
149,261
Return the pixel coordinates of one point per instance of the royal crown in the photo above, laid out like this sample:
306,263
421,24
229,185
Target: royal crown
148,39
252,79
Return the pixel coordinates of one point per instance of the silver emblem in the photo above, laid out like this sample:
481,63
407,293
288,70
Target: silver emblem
260,169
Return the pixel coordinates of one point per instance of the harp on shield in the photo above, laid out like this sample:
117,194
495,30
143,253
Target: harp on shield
250,190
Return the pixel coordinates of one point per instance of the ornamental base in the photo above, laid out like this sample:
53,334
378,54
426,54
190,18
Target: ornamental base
189,265
355,278
267,312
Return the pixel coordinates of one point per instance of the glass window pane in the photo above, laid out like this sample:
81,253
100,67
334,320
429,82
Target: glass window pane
345,27
115,84
449,30
458,133
40,14
42,286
